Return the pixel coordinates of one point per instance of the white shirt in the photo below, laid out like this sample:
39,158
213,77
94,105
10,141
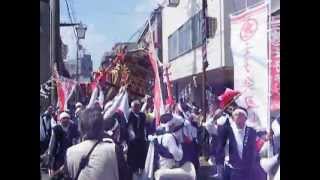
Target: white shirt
239,136
169,142
53,122
211,126
189,130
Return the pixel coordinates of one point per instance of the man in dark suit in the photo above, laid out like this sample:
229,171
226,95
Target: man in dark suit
243,154
45,129
137,144
64,135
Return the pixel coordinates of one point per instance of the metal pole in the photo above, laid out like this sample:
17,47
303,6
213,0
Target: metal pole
204,58
269,30
246,4
54,37
77,75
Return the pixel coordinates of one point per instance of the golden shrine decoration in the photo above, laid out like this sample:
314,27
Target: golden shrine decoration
133,70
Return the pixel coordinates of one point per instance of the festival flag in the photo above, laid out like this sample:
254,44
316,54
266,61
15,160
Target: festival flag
275,63
158,101
65,88
167,80
119,103
249,40
153,59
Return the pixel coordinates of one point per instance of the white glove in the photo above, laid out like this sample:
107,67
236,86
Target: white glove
125,147
132,136
219,174
151,137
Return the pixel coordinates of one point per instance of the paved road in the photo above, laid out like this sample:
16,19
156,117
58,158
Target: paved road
44,176
205,172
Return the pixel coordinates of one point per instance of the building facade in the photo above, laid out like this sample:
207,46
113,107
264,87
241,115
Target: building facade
156,30
86,66
182,46
44,41
71,66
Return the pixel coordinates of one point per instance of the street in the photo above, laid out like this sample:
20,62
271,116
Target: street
205,172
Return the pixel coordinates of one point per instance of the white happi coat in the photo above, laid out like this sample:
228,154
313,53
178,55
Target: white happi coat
167,168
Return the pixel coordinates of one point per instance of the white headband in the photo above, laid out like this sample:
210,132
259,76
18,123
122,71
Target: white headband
64,115
240,111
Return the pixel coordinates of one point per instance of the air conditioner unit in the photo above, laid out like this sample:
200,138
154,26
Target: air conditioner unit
211,27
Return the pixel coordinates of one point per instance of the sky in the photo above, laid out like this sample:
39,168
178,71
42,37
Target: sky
108,22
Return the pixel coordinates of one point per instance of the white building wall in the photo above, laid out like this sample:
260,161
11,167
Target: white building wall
191,62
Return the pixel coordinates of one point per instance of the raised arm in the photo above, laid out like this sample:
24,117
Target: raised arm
93,97
116,102
144,107
211,126
101,98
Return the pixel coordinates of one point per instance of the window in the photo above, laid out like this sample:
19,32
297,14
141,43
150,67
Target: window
189,36
173,45
253,2
240,5
197,30
185,43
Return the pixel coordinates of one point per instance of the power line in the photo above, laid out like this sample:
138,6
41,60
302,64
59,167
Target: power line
73,11
136,32
129,13
71,20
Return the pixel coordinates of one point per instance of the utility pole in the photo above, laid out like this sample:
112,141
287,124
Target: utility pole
204,58
54,38
77,73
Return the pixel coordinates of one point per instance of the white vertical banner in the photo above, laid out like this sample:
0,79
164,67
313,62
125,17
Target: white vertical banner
249,43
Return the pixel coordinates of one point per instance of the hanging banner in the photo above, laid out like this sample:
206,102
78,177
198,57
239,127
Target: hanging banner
153,59
158,100
65,88
249,43
275,63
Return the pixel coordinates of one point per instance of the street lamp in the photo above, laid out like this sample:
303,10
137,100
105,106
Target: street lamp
81,33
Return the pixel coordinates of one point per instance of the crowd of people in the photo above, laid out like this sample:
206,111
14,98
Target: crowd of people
97,141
